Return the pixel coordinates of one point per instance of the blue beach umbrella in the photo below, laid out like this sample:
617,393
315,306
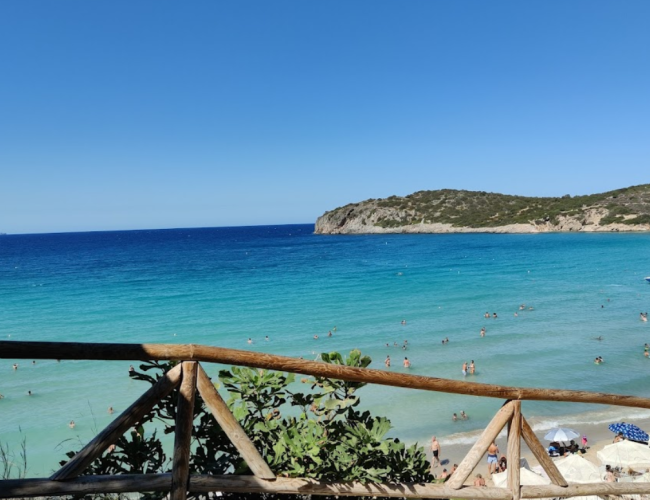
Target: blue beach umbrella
630,431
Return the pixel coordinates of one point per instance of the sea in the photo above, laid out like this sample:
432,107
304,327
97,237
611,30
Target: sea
560,301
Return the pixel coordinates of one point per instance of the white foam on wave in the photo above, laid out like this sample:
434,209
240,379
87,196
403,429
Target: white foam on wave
596,417
541,424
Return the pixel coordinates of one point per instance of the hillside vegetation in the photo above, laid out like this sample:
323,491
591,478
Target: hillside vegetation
449,210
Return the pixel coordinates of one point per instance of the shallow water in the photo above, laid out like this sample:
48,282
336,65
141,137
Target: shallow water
222,286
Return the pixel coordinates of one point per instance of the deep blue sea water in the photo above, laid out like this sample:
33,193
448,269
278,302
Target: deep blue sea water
220,286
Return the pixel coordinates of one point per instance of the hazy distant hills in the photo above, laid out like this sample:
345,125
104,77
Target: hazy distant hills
454,211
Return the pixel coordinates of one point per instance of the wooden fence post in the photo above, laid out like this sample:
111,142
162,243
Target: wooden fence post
183,437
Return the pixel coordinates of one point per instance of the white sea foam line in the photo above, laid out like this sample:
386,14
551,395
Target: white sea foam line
541,424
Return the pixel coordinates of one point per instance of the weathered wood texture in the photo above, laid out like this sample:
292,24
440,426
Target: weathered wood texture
193,352
85,485
231,427
540,454
129,417
13,488
514,450
16,488
574,490
183,435
477,451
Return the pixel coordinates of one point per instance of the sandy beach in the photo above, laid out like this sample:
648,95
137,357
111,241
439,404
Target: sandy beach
598,436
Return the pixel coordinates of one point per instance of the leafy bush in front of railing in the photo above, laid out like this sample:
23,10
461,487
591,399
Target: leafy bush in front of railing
317,432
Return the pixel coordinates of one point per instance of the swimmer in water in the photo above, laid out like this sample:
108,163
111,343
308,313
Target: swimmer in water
15,366
72,424
266,338
110,410
483,332
407,363
249,341
315,337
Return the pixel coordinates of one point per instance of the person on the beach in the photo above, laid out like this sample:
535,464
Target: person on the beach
472,367
453,469
387,362
483,332
618,437
463,415
407,363
609,474
479,481
444,474
584,442
435,449
502,465
465,369
492,457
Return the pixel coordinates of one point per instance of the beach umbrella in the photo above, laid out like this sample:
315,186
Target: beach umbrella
624,454
576,469
526,477
561,434
630,431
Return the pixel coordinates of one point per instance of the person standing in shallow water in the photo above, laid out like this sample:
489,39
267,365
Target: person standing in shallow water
387,362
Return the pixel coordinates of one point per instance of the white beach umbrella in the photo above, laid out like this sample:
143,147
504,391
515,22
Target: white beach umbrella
561,434
624,454
576,469
526,477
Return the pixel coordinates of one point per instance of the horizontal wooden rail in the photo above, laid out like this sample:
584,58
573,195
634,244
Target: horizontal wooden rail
193,352
238,484
13,488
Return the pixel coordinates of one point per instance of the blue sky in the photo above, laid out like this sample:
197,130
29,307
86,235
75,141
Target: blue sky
156,114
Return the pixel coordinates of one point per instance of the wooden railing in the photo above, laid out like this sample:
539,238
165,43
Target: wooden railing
191,377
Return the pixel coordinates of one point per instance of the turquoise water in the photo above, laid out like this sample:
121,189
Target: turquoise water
222,286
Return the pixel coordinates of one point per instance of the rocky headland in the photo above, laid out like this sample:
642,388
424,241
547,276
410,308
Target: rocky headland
458,211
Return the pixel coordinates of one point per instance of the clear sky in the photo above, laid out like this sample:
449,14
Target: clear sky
158,114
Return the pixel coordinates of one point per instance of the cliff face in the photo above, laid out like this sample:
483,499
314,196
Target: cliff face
451,211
